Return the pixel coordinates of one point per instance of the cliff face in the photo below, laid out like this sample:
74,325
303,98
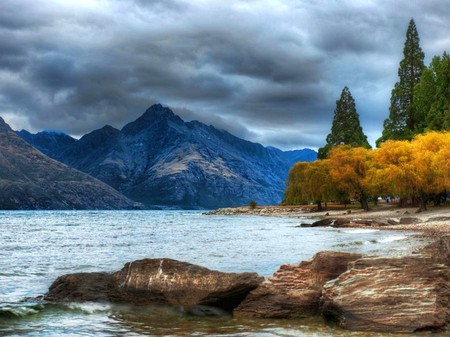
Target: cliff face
161,160
31,180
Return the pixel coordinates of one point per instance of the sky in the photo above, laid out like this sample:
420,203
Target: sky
269,71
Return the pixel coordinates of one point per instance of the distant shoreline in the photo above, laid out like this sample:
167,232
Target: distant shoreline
432,222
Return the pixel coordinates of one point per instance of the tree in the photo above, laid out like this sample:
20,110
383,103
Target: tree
348,170
310,182
346,128
293,194
403,116
415,169
432,95
317,185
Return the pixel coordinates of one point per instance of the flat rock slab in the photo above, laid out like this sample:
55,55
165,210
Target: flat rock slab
390,294
157,281
294,291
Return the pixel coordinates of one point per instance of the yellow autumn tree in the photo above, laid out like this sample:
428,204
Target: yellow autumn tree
318,185
310,182
414,169
348,169
293,194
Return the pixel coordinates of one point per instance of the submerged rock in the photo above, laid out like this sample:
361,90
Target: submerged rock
157,281
405,294
294,291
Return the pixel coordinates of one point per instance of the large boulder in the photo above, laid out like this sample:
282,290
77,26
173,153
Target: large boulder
80,287
405,294
294,291
157,281
167,281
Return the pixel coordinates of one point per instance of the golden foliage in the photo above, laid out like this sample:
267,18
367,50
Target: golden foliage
409,169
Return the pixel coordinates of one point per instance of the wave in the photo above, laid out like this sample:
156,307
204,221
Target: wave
87,307
20,310
361,231
392,238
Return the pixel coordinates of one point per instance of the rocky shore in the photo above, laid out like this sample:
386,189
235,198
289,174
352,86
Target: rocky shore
434,221
363,293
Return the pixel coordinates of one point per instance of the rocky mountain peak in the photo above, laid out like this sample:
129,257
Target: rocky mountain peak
155,115
3,126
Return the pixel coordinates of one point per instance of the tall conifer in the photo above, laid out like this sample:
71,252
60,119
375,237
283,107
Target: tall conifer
346,128
403,117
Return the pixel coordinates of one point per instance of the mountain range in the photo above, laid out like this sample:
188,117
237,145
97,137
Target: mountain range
160,160
31,180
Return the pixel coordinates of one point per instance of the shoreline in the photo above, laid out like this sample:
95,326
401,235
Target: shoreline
432,222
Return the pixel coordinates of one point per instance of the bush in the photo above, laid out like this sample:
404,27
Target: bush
252,204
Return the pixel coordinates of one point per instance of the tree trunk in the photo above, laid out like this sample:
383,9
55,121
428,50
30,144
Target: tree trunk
364,204
363,201
423,202
319,205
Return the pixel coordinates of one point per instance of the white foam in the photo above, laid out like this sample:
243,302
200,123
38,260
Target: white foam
361,231
90,307
392,238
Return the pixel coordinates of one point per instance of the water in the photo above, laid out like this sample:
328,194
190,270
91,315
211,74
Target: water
37,247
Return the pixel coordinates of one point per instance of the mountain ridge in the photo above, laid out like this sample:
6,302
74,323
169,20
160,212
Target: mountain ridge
158,159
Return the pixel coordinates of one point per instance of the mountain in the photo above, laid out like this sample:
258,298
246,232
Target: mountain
49,142
31,180
159,159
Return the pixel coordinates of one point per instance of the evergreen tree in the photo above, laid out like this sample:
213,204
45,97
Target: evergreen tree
403,118
437,116
346,128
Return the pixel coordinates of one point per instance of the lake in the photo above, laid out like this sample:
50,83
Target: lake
39,246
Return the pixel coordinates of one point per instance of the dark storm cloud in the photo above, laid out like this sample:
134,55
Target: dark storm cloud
266,70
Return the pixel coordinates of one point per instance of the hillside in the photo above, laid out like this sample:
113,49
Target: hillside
31,180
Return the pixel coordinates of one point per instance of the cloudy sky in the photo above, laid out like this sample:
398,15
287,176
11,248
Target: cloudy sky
266,70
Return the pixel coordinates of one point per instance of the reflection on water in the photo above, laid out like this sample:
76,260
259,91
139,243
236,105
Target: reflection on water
37,247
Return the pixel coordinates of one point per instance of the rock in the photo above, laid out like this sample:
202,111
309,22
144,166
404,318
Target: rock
409,220
439,250
380,222
322,223
166,281
392,222
294,291
80,287
158,281
439,218
341,222
405,294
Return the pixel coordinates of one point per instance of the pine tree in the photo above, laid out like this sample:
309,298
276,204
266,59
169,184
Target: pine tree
346,128
403,117
437,117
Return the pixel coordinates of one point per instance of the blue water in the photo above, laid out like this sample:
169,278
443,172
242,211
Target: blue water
38,246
